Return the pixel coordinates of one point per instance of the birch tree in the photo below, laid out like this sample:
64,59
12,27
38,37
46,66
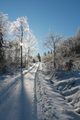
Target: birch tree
18,28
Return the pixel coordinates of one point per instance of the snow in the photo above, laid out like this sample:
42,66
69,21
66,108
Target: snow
51,103
29,95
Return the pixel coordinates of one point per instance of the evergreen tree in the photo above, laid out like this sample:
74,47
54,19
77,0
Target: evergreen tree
4,24
39,57
48,52
45,53
1,44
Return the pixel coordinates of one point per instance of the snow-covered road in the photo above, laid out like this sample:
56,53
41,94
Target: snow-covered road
18,101
30,96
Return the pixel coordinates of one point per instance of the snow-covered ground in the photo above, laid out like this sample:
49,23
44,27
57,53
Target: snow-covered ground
51,104
29,95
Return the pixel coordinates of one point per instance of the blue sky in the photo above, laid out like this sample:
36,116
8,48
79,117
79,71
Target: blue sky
58,15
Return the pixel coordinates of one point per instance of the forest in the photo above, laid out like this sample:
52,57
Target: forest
18,44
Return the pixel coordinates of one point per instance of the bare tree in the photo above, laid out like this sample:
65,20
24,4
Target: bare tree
51,42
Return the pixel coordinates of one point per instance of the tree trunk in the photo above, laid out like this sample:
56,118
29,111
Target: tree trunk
54,57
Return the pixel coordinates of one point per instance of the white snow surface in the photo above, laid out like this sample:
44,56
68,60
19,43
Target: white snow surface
29,95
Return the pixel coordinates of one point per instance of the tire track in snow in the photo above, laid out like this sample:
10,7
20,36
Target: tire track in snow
34,114
8,91
5,93
22,100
